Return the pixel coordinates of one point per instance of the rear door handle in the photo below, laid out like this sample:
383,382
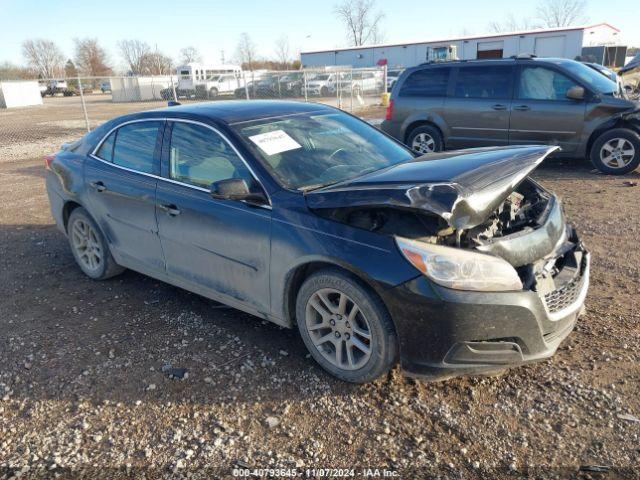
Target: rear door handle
499,106
522,108
171,209
99,186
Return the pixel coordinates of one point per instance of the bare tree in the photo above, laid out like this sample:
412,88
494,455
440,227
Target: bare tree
134,53
44,56
9,71
246,51
156,63
513,24
190,54
91,58
361,20
562,13
282,50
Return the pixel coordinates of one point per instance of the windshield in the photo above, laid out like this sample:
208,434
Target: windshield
593,79
312,150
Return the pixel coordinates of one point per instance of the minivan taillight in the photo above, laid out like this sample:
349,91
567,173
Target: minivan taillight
389,110
48,159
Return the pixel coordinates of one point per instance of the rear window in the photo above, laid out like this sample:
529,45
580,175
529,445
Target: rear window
430,82
484,82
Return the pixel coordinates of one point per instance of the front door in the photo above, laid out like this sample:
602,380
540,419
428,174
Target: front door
541,113
477,112
221,246
121,179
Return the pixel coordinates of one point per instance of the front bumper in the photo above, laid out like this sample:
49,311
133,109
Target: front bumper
445,332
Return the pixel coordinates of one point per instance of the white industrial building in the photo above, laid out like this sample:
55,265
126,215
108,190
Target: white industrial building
567,42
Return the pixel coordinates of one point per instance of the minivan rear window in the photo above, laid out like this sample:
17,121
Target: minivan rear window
488,81
430,82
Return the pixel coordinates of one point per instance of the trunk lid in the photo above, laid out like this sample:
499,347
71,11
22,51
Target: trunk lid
463,187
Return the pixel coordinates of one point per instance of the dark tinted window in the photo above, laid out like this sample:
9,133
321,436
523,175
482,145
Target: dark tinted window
135,144
430,82
483,82
539,83
199,156
105,151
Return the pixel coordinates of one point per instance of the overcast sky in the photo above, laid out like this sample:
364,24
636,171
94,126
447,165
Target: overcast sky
214,26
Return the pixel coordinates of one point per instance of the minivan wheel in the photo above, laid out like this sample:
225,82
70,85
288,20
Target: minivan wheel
89,247
616,152
345,327
425,139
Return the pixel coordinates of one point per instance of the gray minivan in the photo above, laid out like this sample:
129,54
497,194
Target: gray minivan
518,101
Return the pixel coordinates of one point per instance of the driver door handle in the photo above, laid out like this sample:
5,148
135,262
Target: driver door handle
171,209
522,108
99,186
499,106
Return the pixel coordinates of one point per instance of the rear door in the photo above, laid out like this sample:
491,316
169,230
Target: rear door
541,113
219,246
122,178
477,109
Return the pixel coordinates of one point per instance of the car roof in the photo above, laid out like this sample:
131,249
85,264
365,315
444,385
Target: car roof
482,61
236,111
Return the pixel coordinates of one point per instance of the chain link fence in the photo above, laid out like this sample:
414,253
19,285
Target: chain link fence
37,116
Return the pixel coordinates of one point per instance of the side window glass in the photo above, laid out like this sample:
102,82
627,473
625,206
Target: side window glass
483,82
430,82
199,156
539,83
135,144
105,152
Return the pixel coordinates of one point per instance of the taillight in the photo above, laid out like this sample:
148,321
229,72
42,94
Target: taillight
48,159
389,110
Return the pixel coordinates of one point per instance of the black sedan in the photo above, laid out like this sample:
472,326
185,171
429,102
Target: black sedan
304,215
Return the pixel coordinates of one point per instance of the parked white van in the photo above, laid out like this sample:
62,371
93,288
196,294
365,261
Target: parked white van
208,80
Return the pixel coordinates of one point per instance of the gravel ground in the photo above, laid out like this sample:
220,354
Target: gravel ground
132,377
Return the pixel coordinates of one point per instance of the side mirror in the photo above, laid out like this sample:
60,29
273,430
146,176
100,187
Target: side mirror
236,189
576,93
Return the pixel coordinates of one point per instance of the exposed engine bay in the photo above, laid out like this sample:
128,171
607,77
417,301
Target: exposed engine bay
527,229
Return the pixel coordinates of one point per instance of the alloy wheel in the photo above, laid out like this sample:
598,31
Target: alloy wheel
86,245
423,143
617,153
338,329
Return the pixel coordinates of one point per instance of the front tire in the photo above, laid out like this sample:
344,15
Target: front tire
345,327
616,152
425,139
89,246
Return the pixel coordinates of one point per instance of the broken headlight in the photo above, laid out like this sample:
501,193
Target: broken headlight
460,269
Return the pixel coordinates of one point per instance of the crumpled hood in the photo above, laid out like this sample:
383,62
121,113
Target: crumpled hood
463,187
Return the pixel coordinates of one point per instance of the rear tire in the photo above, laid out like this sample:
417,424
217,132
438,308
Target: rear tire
213,92
354,321
89,246
425,139
616,151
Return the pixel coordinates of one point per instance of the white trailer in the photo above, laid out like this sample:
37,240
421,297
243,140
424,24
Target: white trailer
20,94
136,89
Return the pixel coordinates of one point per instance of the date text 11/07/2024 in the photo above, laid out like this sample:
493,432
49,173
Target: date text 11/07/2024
315,473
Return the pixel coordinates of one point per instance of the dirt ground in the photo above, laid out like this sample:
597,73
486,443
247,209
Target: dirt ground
83,391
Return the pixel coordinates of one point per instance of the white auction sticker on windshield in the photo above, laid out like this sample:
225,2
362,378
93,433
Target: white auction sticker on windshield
275,142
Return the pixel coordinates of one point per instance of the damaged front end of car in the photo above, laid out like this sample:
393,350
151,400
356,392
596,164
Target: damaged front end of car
485,235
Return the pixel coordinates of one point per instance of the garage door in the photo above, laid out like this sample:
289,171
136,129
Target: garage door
550,46
490,50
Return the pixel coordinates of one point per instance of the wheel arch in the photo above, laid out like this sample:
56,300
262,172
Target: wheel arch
420,123
606,126
68,207
298,274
